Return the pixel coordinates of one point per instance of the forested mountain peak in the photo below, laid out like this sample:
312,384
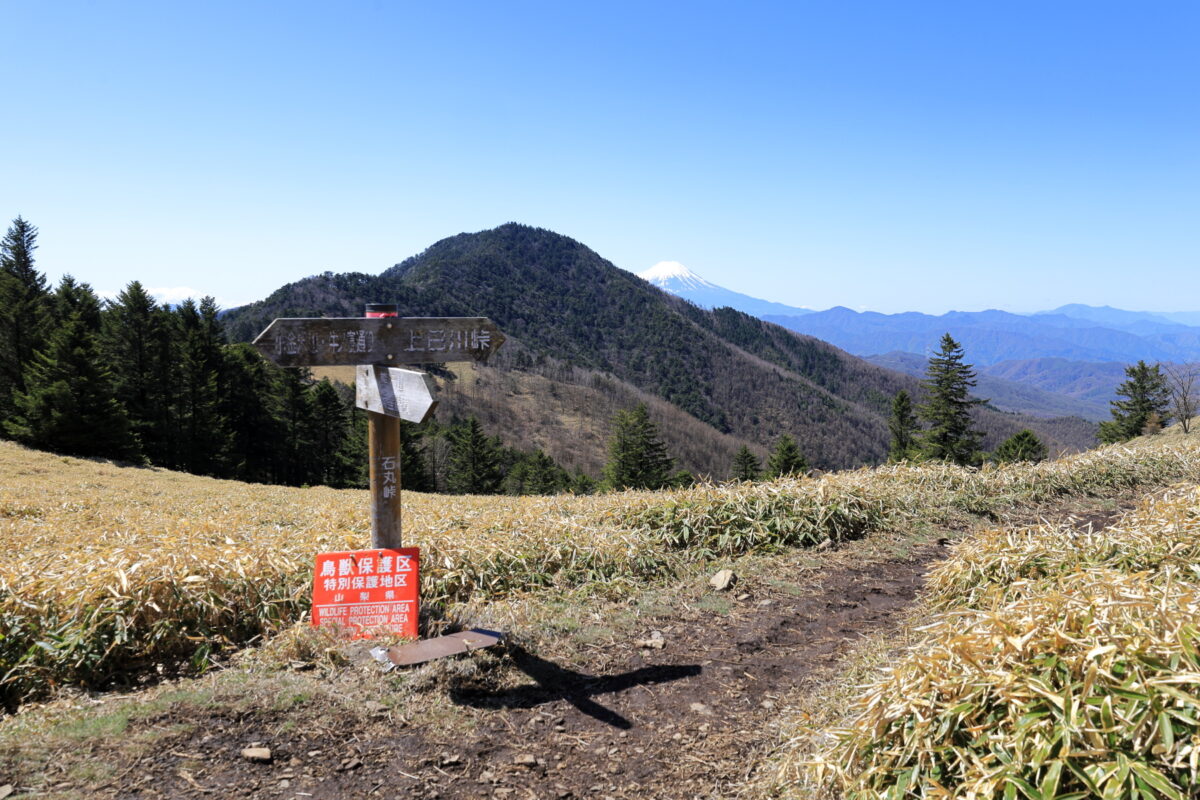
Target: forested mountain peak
555,298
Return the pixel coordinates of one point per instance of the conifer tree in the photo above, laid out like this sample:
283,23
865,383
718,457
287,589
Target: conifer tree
1021,446
334,463
414,470
581,483
252,410
746,465
24,309
474,466
786,459
296,464
948,383
138,343
903,427
203,427
637,457
69,404
1146,393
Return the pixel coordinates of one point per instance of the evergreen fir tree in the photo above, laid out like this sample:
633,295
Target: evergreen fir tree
204,431
786,459
24,309
252,410
331,436
903,427
296,463
414,471
1146,393
637,457
1022,446
69,404
474,466
746,465
948,382
138,344
536,473
581,483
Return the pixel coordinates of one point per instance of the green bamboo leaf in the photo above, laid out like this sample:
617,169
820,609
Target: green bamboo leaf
1157,780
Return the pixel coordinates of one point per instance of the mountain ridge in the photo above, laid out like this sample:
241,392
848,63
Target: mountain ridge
558,300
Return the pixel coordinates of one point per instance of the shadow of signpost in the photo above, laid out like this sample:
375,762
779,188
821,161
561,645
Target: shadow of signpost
556,683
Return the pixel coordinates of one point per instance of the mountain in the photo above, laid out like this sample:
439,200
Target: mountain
1085,380
675,278
590,329
1005,394
1135,321
993,336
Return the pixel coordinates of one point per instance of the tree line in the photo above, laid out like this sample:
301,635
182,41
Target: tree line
131,379
1147,400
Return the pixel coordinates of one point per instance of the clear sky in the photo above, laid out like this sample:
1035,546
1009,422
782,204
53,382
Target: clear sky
884,155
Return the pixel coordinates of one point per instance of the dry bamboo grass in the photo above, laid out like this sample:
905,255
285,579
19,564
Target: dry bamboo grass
1063,664
109,570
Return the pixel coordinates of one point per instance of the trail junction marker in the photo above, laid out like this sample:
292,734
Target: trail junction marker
377,589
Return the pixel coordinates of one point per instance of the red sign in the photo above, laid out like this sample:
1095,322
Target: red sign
367,590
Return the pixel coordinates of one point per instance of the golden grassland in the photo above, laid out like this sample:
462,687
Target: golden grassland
1057,663
108,570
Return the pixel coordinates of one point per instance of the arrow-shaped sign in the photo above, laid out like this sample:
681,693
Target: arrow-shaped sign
402,393
344,341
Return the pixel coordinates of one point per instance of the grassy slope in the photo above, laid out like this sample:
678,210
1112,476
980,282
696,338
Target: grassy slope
1050,660
107,569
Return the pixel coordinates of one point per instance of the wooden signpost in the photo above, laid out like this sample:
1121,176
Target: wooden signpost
376,344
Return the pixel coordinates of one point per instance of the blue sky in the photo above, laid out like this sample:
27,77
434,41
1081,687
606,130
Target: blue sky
884,155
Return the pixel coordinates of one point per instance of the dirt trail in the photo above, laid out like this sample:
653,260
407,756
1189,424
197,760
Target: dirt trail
687,720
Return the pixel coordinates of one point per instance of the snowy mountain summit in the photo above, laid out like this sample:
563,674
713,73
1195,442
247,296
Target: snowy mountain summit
674,277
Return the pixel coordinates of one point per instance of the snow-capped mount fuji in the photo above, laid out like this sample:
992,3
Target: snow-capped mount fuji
673,277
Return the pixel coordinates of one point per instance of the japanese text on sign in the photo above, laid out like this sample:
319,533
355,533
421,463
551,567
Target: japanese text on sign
367,590
424,340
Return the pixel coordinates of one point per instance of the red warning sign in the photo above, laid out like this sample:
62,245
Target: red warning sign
367,589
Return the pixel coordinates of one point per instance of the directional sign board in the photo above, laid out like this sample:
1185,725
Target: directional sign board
396,392
344,341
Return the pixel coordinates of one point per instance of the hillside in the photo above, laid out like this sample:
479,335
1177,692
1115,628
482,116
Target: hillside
562,305
1004,394
1093,382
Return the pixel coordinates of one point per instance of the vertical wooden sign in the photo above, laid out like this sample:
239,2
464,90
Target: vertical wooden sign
383,436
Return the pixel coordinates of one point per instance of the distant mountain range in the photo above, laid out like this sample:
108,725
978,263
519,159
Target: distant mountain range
587,338
1067,360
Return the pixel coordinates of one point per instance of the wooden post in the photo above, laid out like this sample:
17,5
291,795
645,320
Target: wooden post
383,448
383,435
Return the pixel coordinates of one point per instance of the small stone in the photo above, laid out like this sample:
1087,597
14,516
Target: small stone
487,776
294,762
285,783
723,580
700,708
259,755
768,704
525,760
743,596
